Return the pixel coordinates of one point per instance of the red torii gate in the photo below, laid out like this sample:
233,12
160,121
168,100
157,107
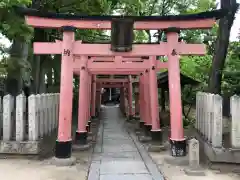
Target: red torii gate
75,59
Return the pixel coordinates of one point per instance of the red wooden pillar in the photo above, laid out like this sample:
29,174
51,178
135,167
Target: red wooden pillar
147,114
177,140
63,147
141,101
136,98
156,132
93,100
130,92
88,102
81,134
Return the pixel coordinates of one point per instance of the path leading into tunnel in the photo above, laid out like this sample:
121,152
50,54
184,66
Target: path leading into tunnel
117,154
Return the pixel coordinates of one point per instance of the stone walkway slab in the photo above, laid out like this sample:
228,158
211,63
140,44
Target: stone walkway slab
116,156
117,166
126,177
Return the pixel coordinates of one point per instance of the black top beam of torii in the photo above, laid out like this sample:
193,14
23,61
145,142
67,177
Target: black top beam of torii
217,14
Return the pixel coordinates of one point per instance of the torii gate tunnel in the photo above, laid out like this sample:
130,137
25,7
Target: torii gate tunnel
119,57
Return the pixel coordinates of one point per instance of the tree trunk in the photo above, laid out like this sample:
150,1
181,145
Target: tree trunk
221,47
18,58
37,62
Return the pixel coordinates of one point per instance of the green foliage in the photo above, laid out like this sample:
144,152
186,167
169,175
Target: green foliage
11,25
231,73
196,67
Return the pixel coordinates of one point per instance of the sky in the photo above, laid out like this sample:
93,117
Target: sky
233,37
236,25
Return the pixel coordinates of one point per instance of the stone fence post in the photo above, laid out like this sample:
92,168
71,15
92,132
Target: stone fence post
217,122
33,118
8,106
235,114
1,116
209,117
20,117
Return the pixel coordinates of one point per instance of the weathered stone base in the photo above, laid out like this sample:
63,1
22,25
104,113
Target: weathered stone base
43,147
23,147
79,147
218,154
63,162
194,171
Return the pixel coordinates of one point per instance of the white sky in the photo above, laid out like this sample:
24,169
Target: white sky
236,25
234,31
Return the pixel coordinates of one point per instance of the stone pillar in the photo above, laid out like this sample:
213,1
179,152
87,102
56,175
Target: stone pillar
21,118
217,122
33,123
48,113
8,105
63,148
1,115
40,115
235,131
45,113
156,132
194,168
81,134
177,140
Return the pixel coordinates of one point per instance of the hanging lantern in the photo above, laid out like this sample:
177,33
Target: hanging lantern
122,35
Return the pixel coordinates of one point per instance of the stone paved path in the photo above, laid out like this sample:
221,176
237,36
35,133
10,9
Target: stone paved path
117,155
